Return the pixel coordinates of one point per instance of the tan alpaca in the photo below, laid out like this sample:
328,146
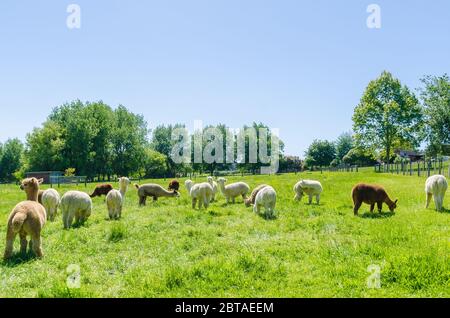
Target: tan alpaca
26,219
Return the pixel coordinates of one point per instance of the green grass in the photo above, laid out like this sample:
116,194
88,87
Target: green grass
169,250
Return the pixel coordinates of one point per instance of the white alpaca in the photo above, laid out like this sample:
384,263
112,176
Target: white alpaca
50,201
267,198
115,199
201,192
214,186
75,204
233,190
435,187
309,187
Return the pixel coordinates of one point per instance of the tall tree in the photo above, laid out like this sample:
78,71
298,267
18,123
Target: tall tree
320,153
343,145
387,113
11,158
435,97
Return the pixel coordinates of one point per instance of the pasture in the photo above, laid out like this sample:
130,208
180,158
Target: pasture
166,249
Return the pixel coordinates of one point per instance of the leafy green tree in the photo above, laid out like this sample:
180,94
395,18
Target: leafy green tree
11,159
359,157
155,164
387,113
320,153
435,96
343,145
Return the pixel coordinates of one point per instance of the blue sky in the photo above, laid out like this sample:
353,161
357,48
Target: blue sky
300,66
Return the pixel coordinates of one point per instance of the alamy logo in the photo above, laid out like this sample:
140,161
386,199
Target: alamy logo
374,19
74,18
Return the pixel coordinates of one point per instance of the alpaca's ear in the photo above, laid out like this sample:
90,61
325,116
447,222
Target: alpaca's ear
396,201
40,181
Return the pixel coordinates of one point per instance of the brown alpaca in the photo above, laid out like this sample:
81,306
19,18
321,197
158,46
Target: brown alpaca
371,194
251,200
174,185
155,191
26,219
101,189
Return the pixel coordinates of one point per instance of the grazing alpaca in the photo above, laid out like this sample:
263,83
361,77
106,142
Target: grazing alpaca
50,201
174,185
201,192
115,199
155,191
101,189
267,198
251,200
26,219
214,186
75,204
233,190
435,187
311,188
371,194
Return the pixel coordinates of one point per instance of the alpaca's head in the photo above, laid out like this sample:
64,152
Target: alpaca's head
174,185
124,182
221,180
248,202
31,184
210,179
188,184
393,205
176,194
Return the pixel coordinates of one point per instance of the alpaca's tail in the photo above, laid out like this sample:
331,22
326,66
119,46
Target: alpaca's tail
17,222
136,186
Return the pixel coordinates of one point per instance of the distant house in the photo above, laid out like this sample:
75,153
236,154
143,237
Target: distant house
48,176
411,155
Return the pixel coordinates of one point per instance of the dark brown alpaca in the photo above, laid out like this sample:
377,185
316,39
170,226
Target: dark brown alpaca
101,189
174,185
371,194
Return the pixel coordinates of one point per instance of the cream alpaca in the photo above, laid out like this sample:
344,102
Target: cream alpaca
435,187
215,188
309,187
26,219
50,201
75,205
233,190
251,200
115,199
266,198
201,192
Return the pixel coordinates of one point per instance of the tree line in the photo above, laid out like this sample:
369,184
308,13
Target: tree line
390,117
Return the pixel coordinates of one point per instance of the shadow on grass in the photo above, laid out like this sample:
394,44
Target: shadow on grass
19,259
377,215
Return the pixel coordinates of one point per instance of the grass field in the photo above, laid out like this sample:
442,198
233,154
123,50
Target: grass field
169,250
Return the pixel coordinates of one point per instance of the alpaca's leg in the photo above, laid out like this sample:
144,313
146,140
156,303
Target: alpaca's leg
310,199
194,203
256,208
318,198
155,198
23,242
69,220
372,207
436,201
380,206
37,248
356,207
429,195
10,236
233,200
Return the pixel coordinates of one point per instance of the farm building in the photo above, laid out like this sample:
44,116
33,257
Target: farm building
46,175
412,155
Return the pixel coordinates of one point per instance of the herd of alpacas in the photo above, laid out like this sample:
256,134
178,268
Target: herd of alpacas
28,217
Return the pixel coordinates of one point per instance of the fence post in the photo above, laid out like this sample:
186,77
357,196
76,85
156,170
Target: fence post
410,167
418,168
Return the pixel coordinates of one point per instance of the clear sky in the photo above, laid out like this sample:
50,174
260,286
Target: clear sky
300,66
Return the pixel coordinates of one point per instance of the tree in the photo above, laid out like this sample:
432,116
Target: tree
358,157
11,159
343,145
435,96
387,113
320,153
155,164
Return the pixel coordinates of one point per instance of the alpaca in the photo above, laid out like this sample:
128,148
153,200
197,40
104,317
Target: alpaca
75,204
101,189
309,187
115,199
155,191
26,219
233,190
174,185
435,187
371,194
50,201
251,200
201,192
214,186
267,198
40,194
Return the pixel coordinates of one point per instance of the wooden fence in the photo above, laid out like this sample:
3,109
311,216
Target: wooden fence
418,168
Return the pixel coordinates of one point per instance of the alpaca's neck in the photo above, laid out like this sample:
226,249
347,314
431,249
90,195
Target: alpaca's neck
123,190
168,193
388,201
189,187
222,187
32,195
